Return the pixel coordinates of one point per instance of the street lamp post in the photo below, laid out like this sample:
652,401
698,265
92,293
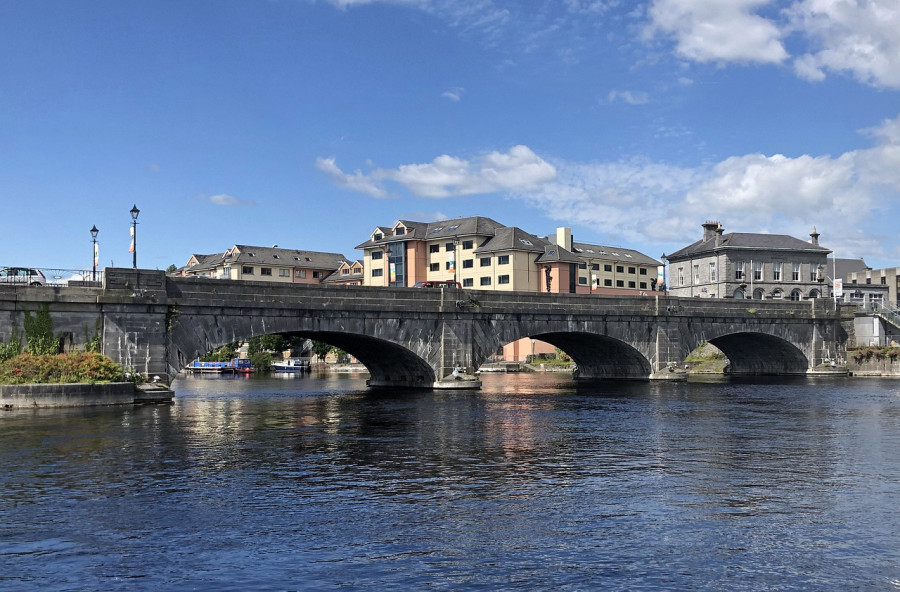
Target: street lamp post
94,232
134,216
665,284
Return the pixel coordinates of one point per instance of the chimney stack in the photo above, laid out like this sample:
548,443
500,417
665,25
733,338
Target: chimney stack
815,237
709,229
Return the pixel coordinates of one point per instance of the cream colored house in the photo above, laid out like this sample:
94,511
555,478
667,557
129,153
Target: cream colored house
267,264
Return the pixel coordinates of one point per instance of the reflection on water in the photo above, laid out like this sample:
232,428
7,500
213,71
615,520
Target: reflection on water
535,482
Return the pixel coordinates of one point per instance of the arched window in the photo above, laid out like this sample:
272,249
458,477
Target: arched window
813,294
777,295
738,294
796,295
758,294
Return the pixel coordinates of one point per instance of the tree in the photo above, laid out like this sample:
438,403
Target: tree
321,349
171,268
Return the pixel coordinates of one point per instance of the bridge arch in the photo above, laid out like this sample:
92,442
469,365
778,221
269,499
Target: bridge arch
752,353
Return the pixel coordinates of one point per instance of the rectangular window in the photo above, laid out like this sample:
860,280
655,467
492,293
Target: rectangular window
247,270
582,265
620,283
868,280
595,267
377,272
582,281
738,270
377,255
776,271
696,274
795,272
265,271
317,275
485,261
643,271
620,269
287,272
680,276
434,248
467,244
485,281
631,270
468,263
631,284
712,272
643,285
883,281
607,282
434,267
378,236
448,247
301,273
757,271
502,279
399,230
607,267
468,282
448,265
503,260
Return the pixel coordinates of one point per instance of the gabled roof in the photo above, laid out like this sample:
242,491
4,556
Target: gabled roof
556,254
512,238
750,241
244,254
425,231
203,263
617,254
842,268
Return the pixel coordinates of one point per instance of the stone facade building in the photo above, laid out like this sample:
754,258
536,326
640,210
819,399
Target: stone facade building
749,265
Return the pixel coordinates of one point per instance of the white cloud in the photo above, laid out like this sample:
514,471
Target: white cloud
858,37
454,94
628,96
520,169
718,31
223,199
356,182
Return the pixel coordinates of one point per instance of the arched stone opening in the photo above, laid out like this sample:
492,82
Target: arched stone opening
598,356
761,354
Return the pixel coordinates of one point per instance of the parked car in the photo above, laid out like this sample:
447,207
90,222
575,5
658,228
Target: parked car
438,284
22,275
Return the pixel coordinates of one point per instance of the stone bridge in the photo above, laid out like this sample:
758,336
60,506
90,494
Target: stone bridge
415,338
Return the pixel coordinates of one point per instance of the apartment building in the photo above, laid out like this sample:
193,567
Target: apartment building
272,264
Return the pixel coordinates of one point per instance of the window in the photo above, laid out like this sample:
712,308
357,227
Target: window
287,272
712,272
883,281
776,271
467,244
620,284
868,280
502,279
468,282
317,275
247,270
582,281
738,270
620,269
813,272
448,247
399,230
643,271
434,267
595,267
643,285
631,270
485,281
696,274
607,282
680,276
265,271
503,260
301,273
582,265
378,236
448,265
795,273
757,270
377,255
377,272
631,284
607,267
468,263
485,261
434,248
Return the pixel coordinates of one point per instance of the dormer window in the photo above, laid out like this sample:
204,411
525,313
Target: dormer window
399,230
378,236
274,256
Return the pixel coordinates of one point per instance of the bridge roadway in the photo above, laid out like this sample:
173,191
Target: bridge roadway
415,338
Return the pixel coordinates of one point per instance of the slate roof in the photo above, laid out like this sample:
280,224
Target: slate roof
617,254
554,253
285,257
512,238
747,240
424,231
842,268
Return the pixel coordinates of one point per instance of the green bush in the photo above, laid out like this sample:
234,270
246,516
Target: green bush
75,367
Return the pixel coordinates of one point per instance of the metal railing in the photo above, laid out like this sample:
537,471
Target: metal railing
49,276
885,311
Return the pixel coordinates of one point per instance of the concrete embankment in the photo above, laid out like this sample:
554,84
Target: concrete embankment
35,396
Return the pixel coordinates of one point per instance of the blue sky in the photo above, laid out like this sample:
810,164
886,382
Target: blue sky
307,123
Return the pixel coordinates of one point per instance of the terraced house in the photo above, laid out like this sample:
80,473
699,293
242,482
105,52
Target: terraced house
482,254
272,264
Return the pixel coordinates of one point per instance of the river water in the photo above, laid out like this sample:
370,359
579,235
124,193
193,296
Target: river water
533,483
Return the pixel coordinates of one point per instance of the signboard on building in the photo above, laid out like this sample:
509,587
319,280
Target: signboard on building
838,288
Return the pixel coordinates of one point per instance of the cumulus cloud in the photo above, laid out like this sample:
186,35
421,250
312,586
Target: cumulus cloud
859,38
519,169
223,199
708,31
